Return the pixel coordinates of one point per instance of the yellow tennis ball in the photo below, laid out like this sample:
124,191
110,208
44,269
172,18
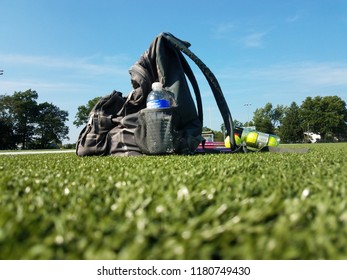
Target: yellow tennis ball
273,141
227,142
237,140
251,138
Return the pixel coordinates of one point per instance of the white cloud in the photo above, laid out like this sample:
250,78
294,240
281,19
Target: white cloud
233,33
104,65
254,40
295,17
307,73
9,86
224,29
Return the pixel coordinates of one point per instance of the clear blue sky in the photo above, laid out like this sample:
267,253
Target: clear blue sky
260,51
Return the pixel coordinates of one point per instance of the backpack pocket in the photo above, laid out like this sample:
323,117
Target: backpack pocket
122,136
92,144
155,133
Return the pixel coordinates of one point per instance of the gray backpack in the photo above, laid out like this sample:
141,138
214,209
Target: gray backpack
124,126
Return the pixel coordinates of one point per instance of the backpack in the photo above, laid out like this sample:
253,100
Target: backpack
123,126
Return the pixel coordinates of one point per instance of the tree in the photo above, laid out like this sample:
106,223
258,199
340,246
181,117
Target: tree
218,136
51,125
325,115
277,115
237,123
20,114
25,122
262,119
83,111
291,130
268,119
7,139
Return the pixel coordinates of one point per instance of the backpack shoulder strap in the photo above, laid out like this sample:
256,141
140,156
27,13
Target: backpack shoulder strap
188,71
212,81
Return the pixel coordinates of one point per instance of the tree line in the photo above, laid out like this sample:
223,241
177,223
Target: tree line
27,124
326,116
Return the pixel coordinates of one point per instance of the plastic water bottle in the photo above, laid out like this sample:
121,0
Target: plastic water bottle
158,98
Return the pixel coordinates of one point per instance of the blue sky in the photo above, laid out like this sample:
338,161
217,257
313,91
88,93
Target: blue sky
260,51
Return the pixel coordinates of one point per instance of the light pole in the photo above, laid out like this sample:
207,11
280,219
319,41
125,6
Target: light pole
247,105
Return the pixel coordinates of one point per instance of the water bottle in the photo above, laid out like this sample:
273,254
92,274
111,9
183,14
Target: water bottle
158,98
158,117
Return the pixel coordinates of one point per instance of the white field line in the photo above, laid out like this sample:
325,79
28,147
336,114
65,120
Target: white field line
37,152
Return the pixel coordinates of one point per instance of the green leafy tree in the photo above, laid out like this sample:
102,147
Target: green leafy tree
268,119
19,112
25,122
277,115
51,125
238,123
326,115
262,119
82,115
291,130
218,136
7,138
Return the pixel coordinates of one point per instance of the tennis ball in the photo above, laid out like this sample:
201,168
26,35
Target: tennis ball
251,138
237,141
227,142
273,141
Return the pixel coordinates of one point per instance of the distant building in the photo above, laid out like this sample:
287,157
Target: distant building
208,135
311,137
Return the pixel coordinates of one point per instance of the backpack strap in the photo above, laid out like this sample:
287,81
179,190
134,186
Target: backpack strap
188,71
212,81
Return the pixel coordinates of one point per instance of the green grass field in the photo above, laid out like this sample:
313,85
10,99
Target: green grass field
241,206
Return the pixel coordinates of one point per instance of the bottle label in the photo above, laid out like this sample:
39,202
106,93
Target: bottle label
159,103
262,140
